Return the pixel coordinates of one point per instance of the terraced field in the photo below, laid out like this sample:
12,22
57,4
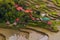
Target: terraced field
23,35
35,33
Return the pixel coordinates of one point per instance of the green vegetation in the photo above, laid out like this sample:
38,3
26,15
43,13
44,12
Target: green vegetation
20,13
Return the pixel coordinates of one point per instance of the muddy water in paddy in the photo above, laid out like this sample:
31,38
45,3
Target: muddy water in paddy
16,35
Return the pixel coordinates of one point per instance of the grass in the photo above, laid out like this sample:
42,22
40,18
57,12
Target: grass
33,24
